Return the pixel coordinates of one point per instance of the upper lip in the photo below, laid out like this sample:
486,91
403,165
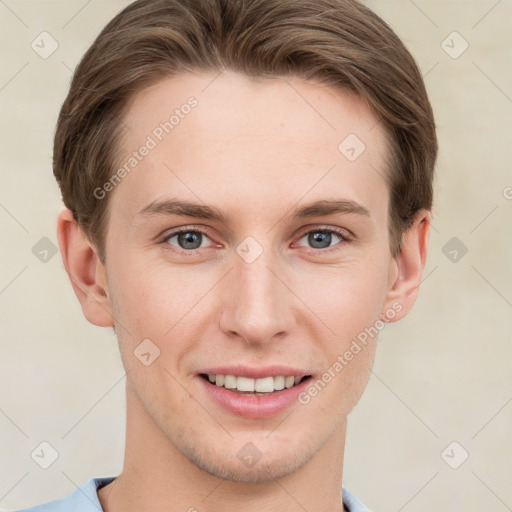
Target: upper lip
255,373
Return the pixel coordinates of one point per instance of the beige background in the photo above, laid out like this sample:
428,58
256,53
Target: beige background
443,374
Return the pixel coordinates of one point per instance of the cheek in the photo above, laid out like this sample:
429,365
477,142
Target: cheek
151,297
348,298
160,304
349,304
157,300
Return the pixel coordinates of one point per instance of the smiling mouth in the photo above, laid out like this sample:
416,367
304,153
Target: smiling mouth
256,387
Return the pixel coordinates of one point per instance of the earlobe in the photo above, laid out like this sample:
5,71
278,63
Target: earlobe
409,263
85,271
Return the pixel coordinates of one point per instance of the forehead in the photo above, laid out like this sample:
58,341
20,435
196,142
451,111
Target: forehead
226,138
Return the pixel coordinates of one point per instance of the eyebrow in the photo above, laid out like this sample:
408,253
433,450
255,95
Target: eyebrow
193,210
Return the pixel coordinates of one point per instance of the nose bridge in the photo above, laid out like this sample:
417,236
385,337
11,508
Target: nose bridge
257,308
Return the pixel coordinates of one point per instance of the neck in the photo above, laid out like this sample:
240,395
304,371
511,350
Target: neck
157,476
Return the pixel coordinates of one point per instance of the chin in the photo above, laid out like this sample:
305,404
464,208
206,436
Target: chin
260,472
258,467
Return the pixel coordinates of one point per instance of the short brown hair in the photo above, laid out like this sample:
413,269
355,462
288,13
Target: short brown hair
341,43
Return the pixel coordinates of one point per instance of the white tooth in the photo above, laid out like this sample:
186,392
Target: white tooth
211,377
229,381
289,381
219,380
279,383
244,384
264,385
297,379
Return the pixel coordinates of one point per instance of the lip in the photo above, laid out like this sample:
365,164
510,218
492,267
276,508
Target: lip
253,406
256,373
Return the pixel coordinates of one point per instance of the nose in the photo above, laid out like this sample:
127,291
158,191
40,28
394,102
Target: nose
257,303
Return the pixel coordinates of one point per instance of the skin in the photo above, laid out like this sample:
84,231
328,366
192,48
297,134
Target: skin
255,150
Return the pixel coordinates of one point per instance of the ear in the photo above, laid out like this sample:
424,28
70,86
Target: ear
85,271
408,269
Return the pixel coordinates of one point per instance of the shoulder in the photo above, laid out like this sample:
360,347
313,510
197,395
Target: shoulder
83,498
86,497
352,503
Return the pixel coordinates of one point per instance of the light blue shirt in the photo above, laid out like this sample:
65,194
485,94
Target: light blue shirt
85,499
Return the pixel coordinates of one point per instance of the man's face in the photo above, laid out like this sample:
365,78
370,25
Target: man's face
261,288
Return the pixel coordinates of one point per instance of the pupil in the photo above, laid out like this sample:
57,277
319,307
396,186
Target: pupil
320,237
188,238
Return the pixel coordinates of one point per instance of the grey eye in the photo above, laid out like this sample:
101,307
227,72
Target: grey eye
321,238
187,239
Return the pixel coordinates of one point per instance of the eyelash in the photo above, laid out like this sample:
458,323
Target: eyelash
341,233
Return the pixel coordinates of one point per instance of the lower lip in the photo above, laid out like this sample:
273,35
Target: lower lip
253,406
